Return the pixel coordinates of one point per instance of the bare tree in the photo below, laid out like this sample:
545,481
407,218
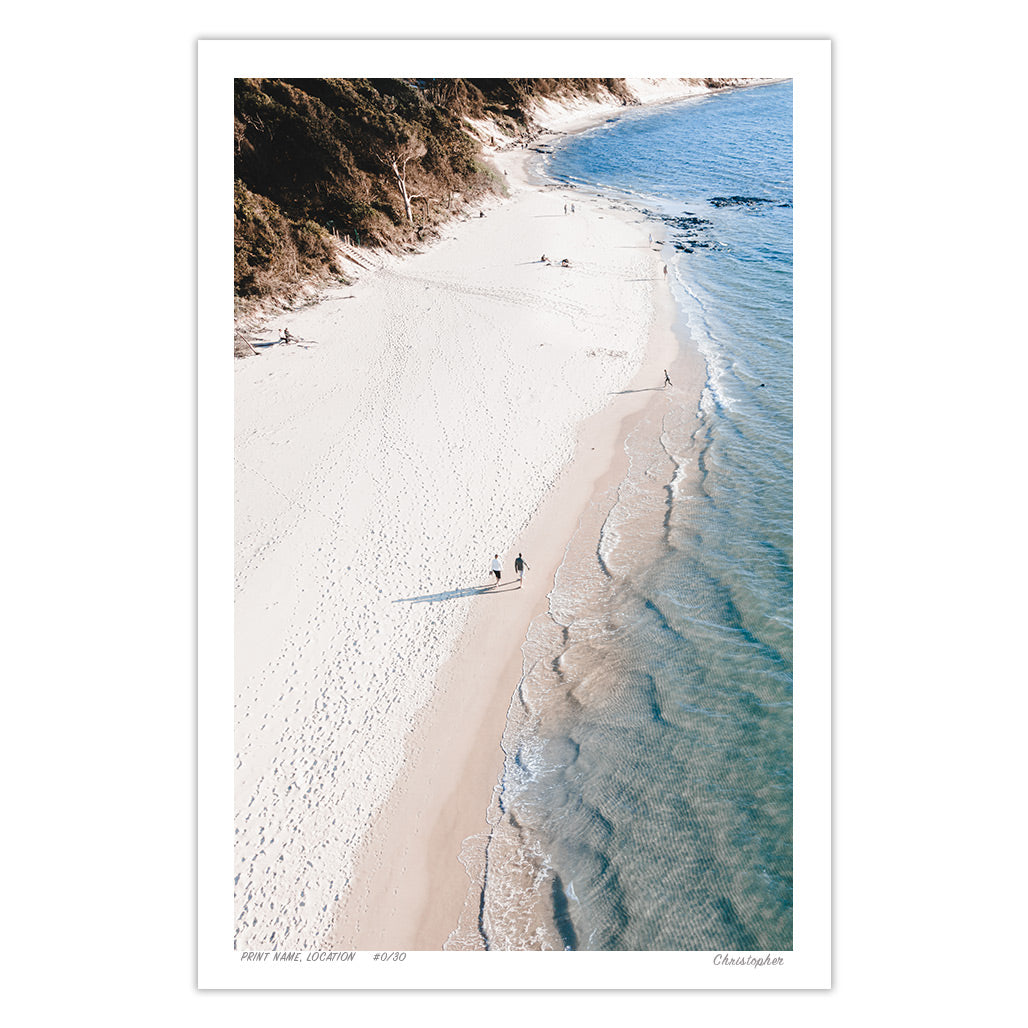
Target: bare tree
398,157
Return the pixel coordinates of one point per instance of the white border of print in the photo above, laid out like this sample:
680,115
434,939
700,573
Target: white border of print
808,64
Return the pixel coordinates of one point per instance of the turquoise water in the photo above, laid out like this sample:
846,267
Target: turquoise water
646,802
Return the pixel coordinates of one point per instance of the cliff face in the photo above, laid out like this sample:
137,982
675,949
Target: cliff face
381,161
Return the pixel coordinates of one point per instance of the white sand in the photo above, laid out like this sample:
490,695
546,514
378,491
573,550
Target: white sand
419,422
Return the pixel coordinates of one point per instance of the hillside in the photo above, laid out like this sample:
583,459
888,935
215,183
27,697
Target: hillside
380,162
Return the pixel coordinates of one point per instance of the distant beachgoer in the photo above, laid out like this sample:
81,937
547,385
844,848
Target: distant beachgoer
665,271
565,263
286,336
651,237
543,258
565,208
572,208
497,567
520,567
667,381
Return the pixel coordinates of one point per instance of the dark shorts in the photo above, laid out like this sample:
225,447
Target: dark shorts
497,574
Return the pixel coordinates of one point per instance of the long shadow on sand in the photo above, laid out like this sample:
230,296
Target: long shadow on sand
457,594
650,389
304,344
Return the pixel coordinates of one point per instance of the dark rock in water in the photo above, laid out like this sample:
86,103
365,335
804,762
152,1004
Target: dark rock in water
692,232
737,201
688,223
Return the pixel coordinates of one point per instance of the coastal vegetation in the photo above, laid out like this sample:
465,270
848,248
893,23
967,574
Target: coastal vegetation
373,162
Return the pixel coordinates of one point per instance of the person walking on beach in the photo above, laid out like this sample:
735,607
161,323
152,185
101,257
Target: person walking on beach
665,271
565,208
572,208
667,381
497,567
520,567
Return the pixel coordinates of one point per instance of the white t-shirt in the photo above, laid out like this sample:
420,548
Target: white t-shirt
497,566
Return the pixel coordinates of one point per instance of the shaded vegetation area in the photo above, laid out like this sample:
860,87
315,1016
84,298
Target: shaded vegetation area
381,161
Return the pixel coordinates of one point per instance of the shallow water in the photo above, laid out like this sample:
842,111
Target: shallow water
646,800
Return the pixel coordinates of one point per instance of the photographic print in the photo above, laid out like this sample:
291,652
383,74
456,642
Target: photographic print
513,391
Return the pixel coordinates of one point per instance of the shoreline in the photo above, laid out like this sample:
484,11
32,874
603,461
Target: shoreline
417,902
414,889
374,668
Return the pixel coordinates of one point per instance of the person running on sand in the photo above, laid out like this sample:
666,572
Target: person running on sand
286,336
520,567
497,567
667,381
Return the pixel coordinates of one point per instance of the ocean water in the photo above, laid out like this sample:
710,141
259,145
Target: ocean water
646,799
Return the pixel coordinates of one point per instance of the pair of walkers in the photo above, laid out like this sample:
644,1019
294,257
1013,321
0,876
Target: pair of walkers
519,566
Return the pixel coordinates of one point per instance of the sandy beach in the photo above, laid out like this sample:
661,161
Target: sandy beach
463,402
